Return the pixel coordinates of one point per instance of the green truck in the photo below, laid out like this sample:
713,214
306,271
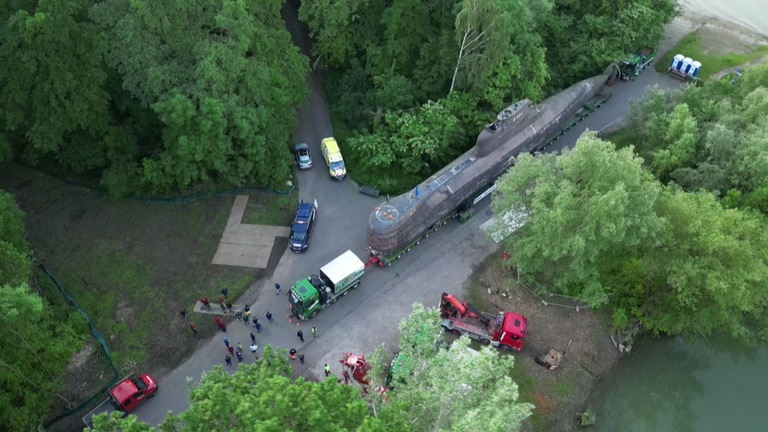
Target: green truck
316,292
631,65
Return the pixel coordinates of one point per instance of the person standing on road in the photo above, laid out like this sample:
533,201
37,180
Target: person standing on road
300,334
269,316
327,370
277,288
228,359
226,341
231,349
254,347
301,358
253,338
239,347
206,303
221,324
246,317
193,327
239,356
229,307
257,325
314,332
292,353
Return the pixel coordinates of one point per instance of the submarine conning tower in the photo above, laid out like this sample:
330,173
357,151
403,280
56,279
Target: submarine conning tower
507,121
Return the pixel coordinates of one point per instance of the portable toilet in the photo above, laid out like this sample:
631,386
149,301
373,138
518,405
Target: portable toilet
677,62
686,68
695,66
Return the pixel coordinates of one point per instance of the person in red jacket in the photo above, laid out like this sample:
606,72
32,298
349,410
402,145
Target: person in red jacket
221,324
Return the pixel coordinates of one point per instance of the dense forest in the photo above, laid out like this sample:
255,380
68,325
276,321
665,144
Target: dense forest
147,97
150,97
669,230
411,82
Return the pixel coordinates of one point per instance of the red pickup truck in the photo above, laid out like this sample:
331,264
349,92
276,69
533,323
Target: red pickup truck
126,396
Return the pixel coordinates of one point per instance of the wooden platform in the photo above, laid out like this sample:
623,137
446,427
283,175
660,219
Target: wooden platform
244,245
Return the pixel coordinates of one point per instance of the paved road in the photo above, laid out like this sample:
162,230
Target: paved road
367,317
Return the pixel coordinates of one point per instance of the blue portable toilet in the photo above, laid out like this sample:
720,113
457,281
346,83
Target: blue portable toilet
677,62
686,68
695,66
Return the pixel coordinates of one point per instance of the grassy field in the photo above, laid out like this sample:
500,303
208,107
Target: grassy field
697,47
132,265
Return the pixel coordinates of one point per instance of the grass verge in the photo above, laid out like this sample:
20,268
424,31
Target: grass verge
271,209
692,46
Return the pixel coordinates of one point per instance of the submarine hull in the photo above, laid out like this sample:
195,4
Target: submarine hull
522,127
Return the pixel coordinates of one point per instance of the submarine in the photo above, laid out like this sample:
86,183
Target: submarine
401,222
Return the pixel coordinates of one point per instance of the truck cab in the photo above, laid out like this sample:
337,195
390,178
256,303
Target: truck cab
333,158
317,291
511,333
125,396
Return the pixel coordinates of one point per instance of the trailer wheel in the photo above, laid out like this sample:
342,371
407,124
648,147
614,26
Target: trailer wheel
426,236
417,242
445,222
457,332
334,300
345,293
407,250
357,284
398,257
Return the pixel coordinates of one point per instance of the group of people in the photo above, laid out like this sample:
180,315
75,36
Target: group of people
245,316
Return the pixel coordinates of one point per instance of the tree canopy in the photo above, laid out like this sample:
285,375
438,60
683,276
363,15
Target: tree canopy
152,96
35,342
672,238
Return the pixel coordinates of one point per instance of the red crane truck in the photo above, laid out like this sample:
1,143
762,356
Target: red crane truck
505,331
126,396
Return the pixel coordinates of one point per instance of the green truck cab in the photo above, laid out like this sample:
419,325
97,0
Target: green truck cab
316,292
632,64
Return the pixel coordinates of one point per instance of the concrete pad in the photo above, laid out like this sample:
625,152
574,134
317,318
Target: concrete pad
243,255
245,245
237,212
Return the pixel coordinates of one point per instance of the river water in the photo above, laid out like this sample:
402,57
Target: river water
676,385
752,14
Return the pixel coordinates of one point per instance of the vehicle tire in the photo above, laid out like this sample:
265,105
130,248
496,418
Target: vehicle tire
457,332
445,222
389,264
407,250
485,341
398,257
334,300
505,347
426,236
152,395
345,293
417,242
314,314
357,284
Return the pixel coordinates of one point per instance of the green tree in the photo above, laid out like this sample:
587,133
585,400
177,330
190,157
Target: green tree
52,96
15,267
582,37
35,351
679,145
587,207
262,397
223,78
408,143
710,275
453,389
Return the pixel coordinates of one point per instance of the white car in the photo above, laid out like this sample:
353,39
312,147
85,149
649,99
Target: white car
303,157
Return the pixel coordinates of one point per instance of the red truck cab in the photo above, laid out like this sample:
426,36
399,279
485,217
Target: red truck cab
131,392
511,333
125,397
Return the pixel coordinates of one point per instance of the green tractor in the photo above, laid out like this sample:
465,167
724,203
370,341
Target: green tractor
631,65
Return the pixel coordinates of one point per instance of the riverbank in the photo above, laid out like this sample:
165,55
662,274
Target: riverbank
591,357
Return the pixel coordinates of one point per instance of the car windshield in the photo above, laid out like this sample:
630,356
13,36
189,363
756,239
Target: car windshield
337,165
298,236
139,384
